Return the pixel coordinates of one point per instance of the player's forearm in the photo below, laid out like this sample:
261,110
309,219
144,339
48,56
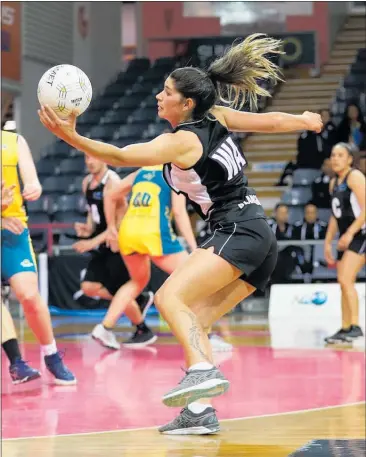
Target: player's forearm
89,225
275,122
99,239
284,122
331,230
106,152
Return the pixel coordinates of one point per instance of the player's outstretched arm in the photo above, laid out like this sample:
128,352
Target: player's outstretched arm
32,187
165,148
240,121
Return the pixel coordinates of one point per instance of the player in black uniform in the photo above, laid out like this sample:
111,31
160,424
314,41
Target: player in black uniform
348,194
106,271
204,162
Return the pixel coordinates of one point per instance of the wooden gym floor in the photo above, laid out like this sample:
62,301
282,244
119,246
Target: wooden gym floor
297,400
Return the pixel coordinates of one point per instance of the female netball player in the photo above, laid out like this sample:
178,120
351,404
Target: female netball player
106,272
18,263
20,371
204,162
348,195
145,234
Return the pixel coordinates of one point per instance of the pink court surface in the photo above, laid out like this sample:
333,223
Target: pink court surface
281,401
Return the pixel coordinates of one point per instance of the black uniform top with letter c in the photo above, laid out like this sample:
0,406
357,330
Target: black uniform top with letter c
345,207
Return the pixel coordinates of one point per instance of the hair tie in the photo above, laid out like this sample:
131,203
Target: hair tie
212,77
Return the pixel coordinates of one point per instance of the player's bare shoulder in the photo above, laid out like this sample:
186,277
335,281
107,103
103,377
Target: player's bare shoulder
355,177
113,176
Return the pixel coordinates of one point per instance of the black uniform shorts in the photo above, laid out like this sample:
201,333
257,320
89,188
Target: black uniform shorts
250,246
107,267
357,245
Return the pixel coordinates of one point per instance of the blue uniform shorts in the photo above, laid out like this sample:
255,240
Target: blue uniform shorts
17,255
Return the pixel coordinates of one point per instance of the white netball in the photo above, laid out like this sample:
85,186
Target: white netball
65,89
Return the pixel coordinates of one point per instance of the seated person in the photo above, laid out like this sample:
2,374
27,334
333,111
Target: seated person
329,133
311,228
352,128
279,223
320,186
312,147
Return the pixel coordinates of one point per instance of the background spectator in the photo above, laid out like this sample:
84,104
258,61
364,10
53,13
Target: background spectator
310,152
320,186
313,148
329,133
352,128
311,228
279,223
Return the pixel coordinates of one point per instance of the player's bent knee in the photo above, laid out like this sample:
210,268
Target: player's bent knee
29,297
161,299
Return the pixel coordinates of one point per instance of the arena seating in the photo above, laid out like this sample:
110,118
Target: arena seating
352,88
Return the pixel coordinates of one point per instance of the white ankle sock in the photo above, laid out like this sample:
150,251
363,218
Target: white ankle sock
49,349
198,408
201,366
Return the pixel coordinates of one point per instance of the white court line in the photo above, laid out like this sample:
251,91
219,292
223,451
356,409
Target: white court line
301,411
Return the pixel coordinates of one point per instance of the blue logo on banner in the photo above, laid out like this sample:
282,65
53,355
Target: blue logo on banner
317,298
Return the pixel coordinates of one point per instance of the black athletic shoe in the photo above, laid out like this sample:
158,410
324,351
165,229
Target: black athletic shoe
188,423
338,337
140,339
354,332
145,300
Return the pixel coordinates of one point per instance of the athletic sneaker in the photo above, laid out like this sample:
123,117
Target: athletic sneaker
145,300
105,337
197,384
353,333
218,344
56,366
140,339
338,337
188,423
21,372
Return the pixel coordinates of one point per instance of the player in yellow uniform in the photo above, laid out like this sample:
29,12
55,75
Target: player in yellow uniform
18,263
20,371
145,234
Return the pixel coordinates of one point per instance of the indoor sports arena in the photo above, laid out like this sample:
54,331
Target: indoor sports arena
183,228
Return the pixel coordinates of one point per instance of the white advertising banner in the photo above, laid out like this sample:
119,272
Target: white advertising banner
303,314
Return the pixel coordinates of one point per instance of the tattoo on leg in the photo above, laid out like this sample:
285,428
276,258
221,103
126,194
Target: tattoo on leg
194,335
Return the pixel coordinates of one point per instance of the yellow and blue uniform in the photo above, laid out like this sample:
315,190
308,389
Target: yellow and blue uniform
17,255
147,225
